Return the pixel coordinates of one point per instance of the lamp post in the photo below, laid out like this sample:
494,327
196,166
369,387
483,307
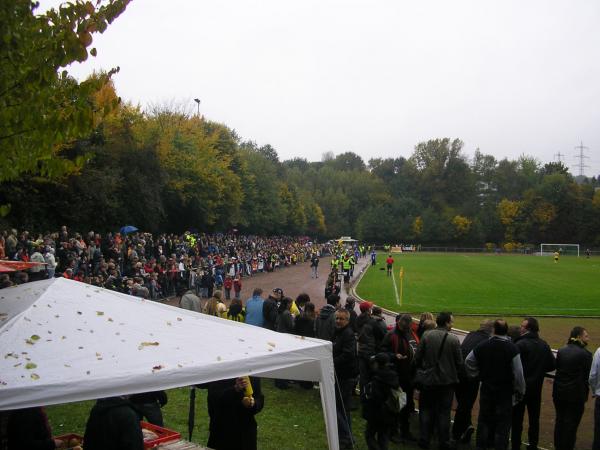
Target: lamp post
197,100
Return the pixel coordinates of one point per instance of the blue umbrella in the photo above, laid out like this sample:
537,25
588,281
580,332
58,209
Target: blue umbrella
128,229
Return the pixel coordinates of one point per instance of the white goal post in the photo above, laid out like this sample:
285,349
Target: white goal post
563,249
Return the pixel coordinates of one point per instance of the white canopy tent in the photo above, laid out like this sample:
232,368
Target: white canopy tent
63,341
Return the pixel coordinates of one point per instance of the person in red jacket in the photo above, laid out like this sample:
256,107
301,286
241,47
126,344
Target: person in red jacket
389,263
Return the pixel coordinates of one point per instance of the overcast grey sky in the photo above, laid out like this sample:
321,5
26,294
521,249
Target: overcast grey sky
373,77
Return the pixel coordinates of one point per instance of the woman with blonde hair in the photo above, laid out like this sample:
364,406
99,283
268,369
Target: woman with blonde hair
421,328
215,306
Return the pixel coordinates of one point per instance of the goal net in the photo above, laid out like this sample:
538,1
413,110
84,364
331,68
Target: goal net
563,249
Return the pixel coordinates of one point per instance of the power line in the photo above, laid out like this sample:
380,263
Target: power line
581,158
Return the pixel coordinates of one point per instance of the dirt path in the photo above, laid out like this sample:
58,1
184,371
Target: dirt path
294,280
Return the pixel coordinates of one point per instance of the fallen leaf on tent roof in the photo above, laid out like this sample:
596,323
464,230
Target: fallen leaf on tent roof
179,365
88,295
218,358
80,348
29,341
179,319
26,319
99,313
48,305
27,359
63,337
24,353
110,320
67,365
35,306
49,332
98,354
17,364
118,334
91,331
30,365
270,349
272,344
88,372
147,344
79,329
79,312
241,340
168,323
11,355
155,368
3,383
57,316
35,376
3,315
34,337
48,340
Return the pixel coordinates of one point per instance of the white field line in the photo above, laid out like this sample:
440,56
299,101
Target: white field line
395,289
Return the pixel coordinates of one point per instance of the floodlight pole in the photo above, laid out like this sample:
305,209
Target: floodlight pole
197,100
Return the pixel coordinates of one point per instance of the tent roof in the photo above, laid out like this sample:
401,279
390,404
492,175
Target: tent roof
63,341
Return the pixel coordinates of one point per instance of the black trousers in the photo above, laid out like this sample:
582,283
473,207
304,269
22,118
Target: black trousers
466,394
377,435
568,417
532,401
495,416
434,411
596,445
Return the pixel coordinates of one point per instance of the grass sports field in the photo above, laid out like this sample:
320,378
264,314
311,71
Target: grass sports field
486,284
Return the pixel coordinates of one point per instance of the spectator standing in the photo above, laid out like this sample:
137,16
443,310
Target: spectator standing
271,309
537,360
468,387
50,261
498,364
190,301
440,361
237,286
114,424
254,308
236,311
570,390
400,346
149,404
325,322
285,324
349,305
37,272
232,423
379,327
314,266
366,343
346,368
227,285
215,306
379,419
26,428
594,380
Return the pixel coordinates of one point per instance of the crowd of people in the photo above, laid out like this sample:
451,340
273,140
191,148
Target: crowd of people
382,366
153,266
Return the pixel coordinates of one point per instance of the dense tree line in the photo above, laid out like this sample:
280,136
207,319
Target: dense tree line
168,170
72,153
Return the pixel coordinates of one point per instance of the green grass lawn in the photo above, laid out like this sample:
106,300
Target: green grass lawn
291,419
486,284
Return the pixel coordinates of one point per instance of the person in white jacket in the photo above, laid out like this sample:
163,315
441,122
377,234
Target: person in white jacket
594,380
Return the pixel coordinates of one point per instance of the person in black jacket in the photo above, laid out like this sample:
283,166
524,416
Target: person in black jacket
537,360
468,388
26,428
285,324
498,365
149,404
271,309
114,424
570,390
379,419
325,322
346,368
232,423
